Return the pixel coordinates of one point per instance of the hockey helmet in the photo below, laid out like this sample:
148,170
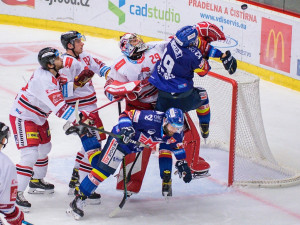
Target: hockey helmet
47,56
131,43
4,133
70,37
187,36
174,116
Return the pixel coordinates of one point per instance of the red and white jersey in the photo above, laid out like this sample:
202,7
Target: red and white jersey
125,69
8,184
72,68
40,97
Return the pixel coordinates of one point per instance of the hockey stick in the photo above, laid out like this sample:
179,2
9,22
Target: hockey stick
125,195
116,100
138,143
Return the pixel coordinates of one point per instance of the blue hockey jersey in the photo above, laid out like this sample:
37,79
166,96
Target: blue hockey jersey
148,130
175,71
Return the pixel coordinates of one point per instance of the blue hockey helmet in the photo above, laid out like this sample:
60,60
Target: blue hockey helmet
174,116
187,36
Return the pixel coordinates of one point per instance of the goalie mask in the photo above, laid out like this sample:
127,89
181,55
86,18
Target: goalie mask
70,37
132,46
4,133
47,56
174,117
187,36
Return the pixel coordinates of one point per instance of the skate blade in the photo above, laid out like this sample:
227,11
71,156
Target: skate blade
24,209
70,212
198,175
166,196
93,201
40,191
71,191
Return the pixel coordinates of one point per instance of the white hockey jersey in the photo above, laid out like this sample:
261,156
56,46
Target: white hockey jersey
8,184
40,97
72,68
125,69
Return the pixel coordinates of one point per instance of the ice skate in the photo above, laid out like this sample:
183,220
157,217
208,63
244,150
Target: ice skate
204,128
200,169
74,181
22,203
76,206
167,184
93,199
39,186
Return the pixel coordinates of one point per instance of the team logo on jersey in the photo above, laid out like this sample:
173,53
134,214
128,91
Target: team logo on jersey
149,117
145,69
151,131
56,98
148,141
171,140
136,116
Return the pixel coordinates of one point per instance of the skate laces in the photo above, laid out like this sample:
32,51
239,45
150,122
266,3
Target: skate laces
80,202
21,196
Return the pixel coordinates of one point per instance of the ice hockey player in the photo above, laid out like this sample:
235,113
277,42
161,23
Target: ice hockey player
8,183
28,117
128,77
186,53
77,62
146,126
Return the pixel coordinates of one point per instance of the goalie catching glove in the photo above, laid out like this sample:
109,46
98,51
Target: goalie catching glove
84,77
127,133
184,170
229,62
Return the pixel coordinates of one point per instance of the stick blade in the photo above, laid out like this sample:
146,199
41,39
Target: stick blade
115,212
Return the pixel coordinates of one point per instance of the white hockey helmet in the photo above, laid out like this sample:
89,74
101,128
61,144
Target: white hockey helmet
131,44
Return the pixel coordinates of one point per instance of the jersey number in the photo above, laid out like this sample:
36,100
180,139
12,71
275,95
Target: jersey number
154,58
167,67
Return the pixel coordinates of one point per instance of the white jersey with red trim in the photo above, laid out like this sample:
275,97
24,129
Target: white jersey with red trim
8,184
125,69
40,97
72,68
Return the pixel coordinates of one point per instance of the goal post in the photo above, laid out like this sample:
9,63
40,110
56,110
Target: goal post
237,129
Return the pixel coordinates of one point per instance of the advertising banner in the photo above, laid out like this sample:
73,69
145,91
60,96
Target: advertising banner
257,36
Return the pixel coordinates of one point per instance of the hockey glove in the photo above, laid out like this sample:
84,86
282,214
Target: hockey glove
184,170
84,77
87,117
16,217
229,62
127,133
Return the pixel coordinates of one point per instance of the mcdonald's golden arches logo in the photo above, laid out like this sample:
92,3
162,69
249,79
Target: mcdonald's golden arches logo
276,40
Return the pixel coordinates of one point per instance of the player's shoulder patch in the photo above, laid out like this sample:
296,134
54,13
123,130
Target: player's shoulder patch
120,64
68,62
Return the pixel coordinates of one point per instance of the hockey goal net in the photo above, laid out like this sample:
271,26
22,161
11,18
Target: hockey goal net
237,131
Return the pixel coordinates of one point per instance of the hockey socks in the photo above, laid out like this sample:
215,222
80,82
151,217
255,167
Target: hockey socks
165,161
92,181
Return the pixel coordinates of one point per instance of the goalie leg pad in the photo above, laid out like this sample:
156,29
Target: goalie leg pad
138,170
